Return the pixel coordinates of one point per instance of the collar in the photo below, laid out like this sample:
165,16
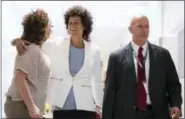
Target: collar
136,47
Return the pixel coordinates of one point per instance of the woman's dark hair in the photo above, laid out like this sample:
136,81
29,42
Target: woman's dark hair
34,26
85,16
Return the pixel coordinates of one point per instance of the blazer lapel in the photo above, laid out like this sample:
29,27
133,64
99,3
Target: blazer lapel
152,55
86,58
128,62
64,47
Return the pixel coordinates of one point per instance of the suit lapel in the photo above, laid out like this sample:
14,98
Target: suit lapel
152,55
128,62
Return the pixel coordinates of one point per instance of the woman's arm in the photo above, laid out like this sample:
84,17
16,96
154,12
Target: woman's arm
96,80
22,85
13,42
26,67
20,44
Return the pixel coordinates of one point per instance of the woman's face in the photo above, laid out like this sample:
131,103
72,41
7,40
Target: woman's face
75,27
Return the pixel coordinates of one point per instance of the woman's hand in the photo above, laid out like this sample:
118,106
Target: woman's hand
34,112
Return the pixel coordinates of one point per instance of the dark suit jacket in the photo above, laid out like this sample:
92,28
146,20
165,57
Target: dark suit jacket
120,85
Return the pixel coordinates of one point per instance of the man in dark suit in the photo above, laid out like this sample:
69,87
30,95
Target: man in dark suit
141,80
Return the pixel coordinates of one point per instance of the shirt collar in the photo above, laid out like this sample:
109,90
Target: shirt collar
136,47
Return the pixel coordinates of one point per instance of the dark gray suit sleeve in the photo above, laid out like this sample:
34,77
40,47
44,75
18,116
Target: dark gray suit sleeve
110,87
173,84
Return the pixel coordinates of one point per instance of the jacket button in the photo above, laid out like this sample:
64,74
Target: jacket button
134,107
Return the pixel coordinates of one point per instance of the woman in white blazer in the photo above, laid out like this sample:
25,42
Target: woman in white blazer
75,85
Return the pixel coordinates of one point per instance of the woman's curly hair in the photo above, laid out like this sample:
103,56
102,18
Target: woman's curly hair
34,26
85,16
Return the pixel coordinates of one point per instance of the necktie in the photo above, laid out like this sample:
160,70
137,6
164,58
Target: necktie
141,93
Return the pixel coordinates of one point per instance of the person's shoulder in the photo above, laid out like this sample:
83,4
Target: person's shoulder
93,46
32,53
53,43
159,49
33,49
119,51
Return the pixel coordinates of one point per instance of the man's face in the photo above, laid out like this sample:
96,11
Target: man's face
139,28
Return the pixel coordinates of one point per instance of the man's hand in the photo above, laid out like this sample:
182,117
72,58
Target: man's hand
175,113
20,45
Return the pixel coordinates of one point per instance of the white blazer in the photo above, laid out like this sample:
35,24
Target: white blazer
86,83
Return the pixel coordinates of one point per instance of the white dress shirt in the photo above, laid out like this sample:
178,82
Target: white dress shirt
147,65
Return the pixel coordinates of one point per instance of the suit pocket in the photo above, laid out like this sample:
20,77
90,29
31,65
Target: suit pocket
88,86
